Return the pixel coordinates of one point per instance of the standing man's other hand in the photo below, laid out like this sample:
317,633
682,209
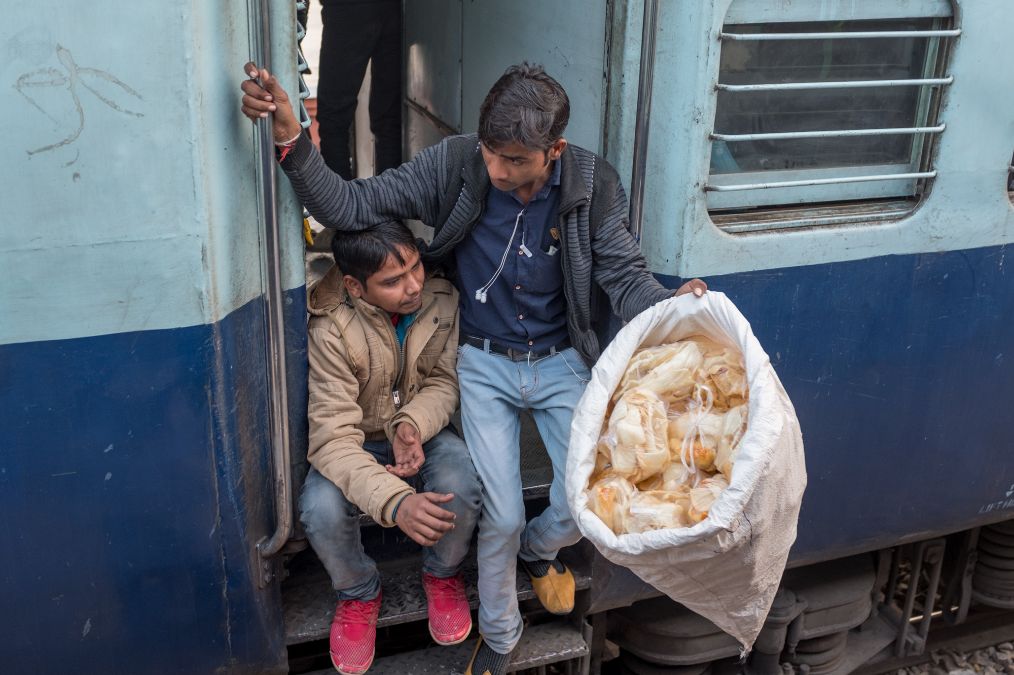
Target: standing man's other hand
695,286
262,96
408,451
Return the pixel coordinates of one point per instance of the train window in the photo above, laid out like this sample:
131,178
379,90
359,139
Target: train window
839,112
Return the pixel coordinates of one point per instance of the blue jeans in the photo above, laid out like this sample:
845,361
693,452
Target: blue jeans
494,390
332,521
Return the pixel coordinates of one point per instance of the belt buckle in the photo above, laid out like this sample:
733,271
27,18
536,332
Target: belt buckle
514,355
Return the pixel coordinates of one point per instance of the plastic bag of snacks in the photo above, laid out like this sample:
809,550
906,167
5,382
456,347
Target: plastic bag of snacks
686,461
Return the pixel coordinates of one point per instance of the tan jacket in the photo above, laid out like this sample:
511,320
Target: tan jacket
354,372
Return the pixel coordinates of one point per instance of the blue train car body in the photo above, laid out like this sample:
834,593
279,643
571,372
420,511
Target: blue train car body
135,443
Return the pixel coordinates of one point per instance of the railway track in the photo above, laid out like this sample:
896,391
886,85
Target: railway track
982,644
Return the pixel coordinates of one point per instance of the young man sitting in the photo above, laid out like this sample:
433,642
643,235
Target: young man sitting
382,348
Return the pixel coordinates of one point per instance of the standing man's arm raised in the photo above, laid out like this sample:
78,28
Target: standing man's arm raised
410,191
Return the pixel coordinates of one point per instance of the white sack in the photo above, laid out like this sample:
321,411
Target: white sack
726,568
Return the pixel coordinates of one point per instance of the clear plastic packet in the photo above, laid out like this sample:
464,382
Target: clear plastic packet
667,370
639,425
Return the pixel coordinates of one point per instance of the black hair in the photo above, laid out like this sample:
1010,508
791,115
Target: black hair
525,106
362,253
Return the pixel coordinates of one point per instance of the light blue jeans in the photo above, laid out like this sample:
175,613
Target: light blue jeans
494,390
332,521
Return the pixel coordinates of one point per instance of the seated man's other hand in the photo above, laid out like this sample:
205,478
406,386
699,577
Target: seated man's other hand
408,451
695,286
422,519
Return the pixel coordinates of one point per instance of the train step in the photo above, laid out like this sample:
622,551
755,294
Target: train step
540,646
309,602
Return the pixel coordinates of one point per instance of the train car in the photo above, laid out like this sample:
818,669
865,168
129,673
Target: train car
839,168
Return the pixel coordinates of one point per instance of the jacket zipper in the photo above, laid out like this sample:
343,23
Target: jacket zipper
395,391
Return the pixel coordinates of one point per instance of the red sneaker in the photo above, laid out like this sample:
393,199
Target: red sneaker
354,635
450,618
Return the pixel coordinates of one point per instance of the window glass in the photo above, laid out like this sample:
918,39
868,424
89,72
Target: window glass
836,60
798,121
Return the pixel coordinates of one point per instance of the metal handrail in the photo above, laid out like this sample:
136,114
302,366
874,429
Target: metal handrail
831,133
273,308
843,84
817,181
845,35
645,86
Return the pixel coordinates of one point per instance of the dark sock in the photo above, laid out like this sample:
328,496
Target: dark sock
540,568
489,661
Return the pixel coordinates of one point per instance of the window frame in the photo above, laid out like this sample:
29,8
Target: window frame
918,172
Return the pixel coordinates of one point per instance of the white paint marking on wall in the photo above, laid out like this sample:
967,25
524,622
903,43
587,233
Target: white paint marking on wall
108,475
1001,504
108,448
87,628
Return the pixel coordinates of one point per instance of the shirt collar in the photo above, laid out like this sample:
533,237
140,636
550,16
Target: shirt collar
554,181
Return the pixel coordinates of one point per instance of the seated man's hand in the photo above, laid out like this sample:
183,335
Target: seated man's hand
695,286
408,451
422,519
263,95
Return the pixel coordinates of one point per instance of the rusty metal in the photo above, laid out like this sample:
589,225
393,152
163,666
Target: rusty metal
924,562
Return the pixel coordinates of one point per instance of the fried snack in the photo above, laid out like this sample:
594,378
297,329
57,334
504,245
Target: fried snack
724,374
639,425
734,426
704,495
609,499
658,510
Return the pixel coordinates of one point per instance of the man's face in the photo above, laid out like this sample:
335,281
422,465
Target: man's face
395,288
512,166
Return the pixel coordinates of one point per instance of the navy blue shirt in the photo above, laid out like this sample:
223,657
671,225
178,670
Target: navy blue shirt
524,304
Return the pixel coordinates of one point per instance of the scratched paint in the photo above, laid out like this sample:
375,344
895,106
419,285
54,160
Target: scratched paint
129,191
70,78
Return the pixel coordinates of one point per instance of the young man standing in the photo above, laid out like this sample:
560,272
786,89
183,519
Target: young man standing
382,350
531,226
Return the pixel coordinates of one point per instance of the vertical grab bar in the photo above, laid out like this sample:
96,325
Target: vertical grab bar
278,399
645,84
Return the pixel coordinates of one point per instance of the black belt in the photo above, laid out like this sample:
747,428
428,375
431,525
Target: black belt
510,352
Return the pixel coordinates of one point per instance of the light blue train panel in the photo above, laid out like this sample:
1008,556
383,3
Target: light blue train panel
134,470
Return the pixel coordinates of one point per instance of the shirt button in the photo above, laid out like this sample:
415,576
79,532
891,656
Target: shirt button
531,342
520,252
521,317
517,287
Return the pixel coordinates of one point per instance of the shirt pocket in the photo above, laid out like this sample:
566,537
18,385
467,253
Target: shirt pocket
542,273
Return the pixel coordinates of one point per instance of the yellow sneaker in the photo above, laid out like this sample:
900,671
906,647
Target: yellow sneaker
553,584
